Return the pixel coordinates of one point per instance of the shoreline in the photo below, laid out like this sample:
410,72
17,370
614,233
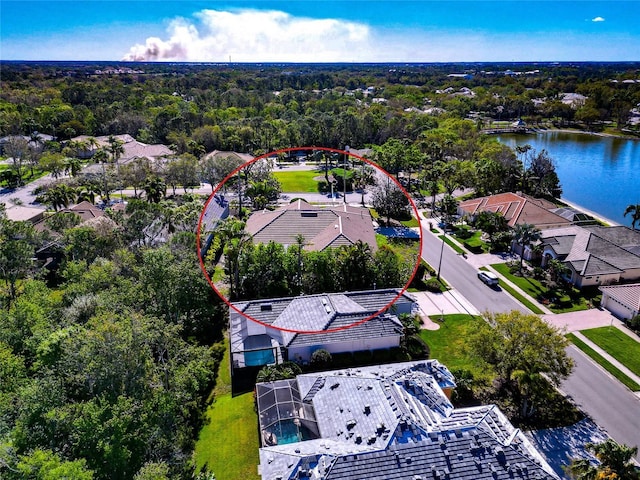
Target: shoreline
591,213
582,132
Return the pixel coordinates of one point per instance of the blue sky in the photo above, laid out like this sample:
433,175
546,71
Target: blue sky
329,31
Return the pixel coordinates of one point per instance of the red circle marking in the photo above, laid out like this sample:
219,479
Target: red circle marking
330,330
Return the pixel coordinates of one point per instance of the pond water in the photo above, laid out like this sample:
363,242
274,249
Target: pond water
599,173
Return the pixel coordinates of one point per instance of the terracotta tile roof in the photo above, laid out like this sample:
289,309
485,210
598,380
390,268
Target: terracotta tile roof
517,209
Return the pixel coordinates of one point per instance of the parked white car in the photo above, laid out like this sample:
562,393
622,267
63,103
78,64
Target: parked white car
489,278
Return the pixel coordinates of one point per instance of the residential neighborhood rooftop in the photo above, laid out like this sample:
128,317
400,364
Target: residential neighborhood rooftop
320,227
334,321
517,209
387,422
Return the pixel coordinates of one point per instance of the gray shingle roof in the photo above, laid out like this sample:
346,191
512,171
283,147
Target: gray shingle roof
596,250
315,313
394,422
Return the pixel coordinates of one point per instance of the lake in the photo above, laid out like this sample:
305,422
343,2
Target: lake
599,173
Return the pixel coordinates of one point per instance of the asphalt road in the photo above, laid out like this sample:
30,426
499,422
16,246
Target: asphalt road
611,405
462,276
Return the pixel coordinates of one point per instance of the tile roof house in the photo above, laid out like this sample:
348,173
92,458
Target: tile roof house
622,300
386,422
243,157
596,255
321,227
254,342
517,209
132,149
85,210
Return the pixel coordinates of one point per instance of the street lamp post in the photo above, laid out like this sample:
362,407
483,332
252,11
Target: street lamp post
444,233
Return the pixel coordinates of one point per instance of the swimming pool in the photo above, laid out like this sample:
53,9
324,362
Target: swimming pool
256,358
286,431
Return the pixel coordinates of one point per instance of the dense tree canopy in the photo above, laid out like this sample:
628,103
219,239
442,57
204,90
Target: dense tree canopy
522,348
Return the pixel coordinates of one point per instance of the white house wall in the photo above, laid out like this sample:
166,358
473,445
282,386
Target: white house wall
619,310
631,274
596,280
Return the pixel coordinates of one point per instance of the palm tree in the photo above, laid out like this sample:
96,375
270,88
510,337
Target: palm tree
363,177
235,239
155,189
85,194
261,193
524,235
634,210
116,149
101,156
557,269
72,166
615,462
59,196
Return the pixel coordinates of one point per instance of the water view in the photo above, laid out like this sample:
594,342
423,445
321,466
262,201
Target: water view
598,173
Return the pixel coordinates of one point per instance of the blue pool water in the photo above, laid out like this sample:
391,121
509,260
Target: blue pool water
258,357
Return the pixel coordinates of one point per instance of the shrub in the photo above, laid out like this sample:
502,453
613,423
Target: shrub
538,273
473,247
634,323
416,347
321,357
463,233
433,285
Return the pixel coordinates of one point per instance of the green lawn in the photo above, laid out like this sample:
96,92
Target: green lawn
410,223
471,240
448,343
522,299
603,362
566,302
299,181
228,443
452,244
617,344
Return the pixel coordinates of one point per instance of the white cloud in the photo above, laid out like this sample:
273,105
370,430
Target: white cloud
274,36
597,19
256,36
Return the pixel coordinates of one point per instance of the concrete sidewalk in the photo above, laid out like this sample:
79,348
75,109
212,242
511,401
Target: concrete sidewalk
609,358
439,304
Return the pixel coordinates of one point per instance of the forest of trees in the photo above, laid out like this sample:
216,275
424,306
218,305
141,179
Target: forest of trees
105,369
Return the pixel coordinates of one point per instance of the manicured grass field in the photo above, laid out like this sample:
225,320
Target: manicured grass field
228,443
410,223
409,250
617,344
514,293
448,343
603,362
577,300
298,180
452,244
